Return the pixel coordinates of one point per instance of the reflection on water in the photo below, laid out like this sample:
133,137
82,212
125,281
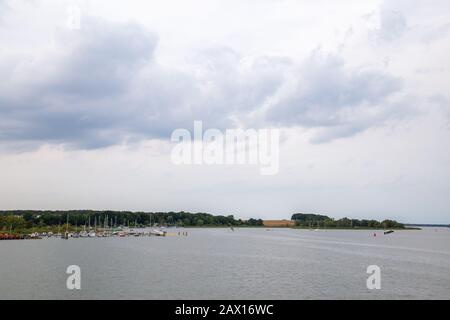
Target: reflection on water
221,264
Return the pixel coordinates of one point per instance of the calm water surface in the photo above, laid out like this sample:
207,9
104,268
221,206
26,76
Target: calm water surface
221,264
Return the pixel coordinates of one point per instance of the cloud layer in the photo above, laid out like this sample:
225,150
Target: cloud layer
102,85
360,90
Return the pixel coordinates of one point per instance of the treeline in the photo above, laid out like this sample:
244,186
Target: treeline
36,218
322,221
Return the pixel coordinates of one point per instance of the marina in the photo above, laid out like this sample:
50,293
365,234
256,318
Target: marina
97,233
103,227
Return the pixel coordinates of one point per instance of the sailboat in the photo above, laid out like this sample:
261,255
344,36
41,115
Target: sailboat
59,230
157,232
66,234
84,233
76,234
92,233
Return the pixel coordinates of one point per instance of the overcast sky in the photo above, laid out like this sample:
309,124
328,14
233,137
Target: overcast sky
359,89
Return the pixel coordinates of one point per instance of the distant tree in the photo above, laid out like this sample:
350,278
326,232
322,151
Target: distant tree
28,216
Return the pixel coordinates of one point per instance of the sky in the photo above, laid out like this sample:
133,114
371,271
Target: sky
91,91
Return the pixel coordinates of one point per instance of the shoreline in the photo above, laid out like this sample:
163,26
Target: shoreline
25,232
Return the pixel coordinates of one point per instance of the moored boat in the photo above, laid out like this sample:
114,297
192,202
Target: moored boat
157,232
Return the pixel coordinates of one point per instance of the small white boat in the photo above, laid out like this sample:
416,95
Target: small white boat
156,232
84,234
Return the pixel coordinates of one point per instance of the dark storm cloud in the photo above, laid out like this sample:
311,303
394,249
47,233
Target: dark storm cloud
105,87
103,59
88,97
340,101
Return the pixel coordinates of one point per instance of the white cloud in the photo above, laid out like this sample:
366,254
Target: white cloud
347,70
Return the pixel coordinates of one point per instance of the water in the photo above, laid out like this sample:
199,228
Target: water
221,264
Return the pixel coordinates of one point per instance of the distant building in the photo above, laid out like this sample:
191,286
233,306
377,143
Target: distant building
279,223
